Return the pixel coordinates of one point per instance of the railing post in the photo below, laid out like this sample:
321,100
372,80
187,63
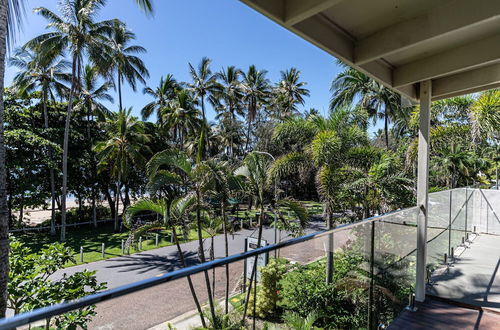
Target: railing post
123,247
371,312
422,188
81,253
466,209
156,240
450,224
102,250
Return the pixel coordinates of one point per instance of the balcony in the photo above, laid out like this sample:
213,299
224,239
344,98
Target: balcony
374,265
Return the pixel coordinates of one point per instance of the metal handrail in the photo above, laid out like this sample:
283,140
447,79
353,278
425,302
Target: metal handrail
58,309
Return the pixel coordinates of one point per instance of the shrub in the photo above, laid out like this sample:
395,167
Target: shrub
304,291
269,287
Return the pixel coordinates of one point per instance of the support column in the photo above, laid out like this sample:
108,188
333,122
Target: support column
423,188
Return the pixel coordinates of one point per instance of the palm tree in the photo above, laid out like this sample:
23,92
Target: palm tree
162,95
76,32
289,93
175,168
126,146
212,225
256,92
231,95
181,116
204,83
91,94
44,71
381,102
11,15
172,212
123,58
452,163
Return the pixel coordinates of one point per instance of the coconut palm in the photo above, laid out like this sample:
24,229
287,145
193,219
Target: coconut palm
485,116
204,83
11,15
172,167
289,93
181,116
212,225
123,59
172,213
46,72
162,95
91,94
230,95
381,102
256,91
126,146
453,163
77,32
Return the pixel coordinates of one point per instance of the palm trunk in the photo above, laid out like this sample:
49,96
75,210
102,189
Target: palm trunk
190,282
386,130
65,151
226,247
4,214
202,255
329,253
51,171
248,134
119,90
253,275
117,200
212,257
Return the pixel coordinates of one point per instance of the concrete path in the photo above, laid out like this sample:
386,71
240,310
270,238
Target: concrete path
475,278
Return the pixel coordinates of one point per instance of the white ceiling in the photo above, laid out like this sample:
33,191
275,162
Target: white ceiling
454,43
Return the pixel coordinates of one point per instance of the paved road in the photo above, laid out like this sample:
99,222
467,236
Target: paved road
161,303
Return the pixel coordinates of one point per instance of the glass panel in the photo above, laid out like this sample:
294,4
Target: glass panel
438,233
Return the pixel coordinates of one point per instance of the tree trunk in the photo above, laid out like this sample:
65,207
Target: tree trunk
248,134
212,257
253,275
202,256
386,129
117,200
329,252
226,250
119,90
4,218
190,282
21,212
111,203
65,151
51,170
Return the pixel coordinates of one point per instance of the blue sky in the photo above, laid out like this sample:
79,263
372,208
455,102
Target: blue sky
227,31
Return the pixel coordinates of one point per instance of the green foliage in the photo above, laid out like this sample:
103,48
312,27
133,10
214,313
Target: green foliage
304,291
31,287
268,291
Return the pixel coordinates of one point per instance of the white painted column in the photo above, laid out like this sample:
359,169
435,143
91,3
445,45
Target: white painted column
423,187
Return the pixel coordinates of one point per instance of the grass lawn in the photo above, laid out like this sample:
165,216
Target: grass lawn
92,238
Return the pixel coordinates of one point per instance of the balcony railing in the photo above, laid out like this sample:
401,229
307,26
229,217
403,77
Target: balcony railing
374,261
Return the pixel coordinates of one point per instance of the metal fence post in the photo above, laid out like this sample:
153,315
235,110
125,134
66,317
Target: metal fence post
123,246
156,240
140,243
371,319
81,253
450,224
102,250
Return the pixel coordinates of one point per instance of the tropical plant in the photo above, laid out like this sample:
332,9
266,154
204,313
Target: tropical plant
230,94
46,72
204,83
77,32
256,90
11,16
289,93
181,116
125,147
162,95
174,168
123,59
173,213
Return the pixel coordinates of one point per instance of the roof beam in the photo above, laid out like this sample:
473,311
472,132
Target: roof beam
299,10
448,17
466,82
463,58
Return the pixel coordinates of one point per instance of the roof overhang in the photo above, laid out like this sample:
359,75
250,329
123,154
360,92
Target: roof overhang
454,43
